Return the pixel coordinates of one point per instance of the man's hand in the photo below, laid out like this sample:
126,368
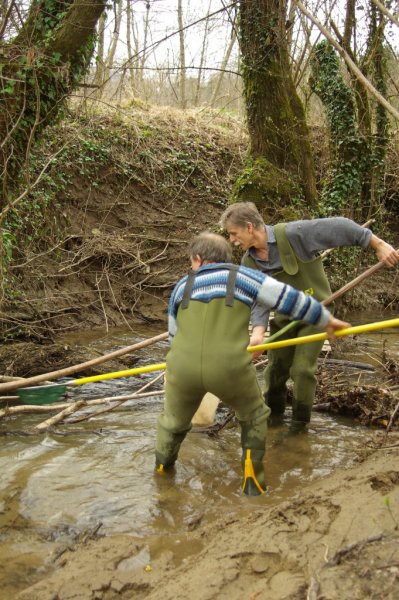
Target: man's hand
384,251
257,338
334,325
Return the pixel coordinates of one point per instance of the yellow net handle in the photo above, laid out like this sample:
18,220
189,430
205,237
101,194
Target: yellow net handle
261,347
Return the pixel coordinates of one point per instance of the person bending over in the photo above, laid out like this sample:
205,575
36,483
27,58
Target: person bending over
208,318
290,253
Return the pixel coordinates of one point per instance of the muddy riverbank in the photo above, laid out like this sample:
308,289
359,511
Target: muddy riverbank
83,515
338,533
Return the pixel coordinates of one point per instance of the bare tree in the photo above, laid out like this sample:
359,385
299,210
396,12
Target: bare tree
99,75
223,66
182,56
144,51
202,59
132,51
109,61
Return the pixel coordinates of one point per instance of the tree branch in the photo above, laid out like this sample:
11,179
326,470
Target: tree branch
351,65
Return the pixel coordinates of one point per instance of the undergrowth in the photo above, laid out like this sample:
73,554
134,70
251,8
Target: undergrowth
105,230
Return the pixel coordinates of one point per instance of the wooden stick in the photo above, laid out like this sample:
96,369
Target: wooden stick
391,420
43,408
16,384
77,406
115,405
59,416
354,282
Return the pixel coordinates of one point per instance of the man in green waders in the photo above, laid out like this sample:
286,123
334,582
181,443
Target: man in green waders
209,313
290,253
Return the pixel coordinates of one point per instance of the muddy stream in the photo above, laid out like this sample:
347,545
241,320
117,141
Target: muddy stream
97,476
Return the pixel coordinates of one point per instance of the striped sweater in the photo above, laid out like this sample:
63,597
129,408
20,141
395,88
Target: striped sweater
250,286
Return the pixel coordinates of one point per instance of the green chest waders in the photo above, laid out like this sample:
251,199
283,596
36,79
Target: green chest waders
208,354
297,362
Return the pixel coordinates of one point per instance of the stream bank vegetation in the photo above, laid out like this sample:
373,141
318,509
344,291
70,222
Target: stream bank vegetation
101,190
110,162
101,240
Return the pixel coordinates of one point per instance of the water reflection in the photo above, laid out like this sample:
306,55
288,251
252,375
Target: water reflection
54,486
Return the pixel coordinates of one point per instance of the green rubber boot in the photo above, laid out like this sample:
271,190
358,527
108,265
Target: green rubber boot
167,448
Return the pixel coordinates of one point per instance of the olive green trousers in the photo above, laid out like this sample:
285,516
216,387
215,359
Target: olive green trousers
182,402
298,363
209,354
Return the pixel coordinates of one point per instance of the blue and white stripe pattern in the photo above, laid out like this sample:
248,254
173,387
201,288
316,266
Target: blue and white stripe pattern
251,285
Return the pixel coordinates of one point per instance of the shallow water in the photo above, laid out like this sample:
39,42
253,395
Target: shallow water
54,486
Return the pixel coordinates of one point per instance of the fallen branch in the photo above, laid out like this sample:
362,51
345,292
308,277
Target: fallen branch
391,420
336,559
105,410
15,384
59,417
215,429
38,409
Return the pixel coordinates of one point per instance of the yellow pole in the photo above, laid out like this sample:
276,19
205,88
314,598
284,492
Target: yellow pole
316,337
267,346
127,373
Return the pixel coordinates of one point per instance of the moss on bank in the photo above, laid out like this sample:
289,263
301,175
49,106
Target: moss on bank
102,236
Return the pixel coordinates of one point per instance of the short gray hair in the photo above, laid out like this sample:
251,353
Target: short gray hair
210,247
241,213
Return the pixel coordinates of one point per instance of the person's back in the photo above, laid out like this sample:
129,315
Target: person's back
209,348
209,313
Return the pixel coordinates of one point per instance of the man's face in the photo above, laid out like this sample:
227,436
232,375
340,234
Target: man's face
241,236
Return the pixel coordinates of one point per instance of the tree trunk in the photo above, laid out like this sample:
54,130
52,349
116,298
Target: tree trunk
144,51
182,55
378,63
131,55
115,38
282,169
41,66
223,66
100,64
202,59
350,152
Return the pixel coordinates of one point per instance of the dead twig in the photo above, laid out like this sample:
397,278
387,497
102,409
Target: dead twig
105,410
44,408
15,384
98,281
338,556
391,421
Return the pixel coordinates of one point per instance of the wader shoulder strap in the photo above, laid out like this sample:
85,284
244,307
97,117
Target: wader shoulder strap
188,289
287,255
231,283
230,286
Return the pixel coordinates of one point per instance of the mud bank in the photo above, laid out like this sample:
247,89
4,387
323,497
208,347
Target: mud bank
338,537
